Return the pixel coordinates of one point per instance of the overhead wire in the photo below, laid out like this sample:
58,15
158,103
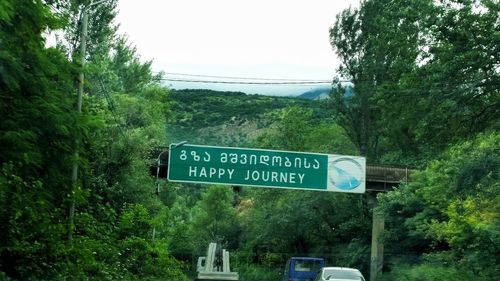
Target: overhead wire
111,107
246,82
247,78
265,81
218,79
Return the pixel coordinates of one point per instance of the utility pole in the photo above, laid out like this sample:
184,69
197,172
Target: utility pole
157,182
377,248
74,169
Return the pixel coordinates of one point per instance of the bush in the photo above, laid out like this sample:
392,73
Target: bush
257,273
429,272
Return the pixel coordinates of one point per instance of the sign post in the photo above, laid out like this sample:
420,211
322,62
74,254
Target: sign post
266,168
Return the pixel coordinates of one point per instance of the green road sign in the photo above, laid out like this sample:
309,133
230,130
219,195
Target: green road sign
266,168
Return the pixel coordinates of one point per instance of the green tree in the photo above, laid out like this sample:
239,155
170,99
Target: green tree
101,31
181,244
450,210
422,72
37,130
294,125
377,44
116,207
214,220
297,129
456,87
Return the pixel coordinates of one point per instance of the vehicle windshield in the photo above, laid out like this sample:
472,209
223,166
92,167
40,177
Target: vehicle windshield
307,265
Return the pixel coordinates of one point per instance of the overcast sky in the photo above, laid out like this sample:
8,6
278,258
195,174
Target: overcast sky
255,38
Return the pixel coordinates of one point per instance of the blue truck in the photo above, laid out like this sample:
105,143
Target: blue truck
302,268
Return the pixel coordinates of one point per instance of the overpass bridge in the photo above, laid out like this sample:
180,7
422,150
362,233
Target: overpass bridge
384,178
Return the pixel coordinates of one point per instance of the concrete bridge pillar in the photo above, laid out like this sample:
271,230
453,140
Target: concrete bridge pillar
377,249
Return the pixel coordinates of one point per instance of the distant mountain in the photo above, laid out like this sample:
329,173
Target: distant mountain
322,93
319,93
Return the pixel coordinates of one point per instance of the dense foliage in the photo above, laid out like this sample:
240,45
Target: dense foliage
116,211
450,212
36,134
425,75
426,94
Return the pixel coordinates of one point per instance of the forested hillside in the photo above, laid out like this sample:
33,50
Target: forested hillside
227,118
78,201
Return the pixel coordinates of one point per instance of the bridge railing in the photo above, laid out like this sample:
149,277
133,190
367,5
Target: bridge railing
384,178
